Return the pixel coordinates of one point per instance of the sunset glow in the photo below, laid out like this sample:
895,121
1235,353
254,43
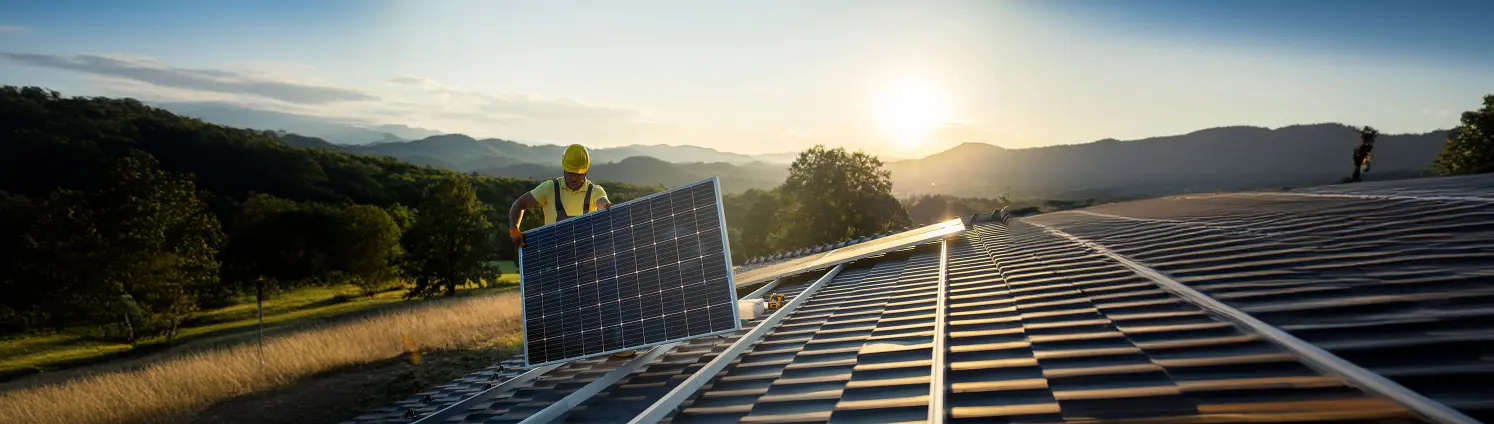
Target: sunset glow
909,112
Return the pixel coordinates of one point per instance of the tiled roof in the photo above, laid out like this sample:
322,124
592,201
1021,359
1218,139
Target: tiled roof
1096,316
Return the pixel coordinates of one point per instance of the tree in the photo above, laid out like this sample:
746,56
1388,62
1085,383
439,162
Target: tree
451,242
832,195
1470,146
282,243
17,309
369,250
167,241
751,222
293,244
139,251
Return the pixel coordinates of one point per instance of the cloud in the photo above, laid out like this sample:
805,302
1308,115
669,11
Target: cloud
408,100
523,106
415,81
212,80
12,29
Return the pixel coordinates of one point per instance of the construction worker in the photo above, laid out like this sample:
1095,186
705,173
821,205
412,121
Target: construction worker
562,198
1362,152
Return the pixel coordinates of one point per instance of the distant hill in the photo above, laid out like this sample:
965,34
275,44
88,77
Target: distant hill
498,158
646,171
1227,158
788,157
232,115
405,132
455,151
462,153
305,142
471,154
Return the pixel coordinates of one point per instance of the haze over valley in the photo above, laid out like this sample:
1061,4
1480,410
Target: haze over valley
1226,158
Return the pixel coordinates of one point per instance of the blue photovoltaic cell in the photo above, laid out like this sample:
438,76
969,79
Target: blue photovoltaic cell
642,273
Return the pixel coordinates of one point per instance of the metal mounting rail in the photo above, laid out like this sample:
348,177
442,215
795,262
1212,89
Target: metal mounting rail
936,375
763,291
464,404
662,407
560,407
1311,355
850,253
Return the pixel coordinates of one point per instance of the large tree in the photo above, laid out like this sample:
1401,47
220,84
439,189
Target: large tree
1470,146
451,242
292,244
751,222
138,252
370,251
17,311
832,195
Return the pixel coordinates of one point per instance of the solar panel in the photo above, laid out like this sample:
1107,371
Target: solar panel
646,272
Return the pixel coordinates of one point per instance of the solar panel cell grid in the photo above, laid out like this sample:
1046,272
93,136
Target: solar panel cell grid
642,273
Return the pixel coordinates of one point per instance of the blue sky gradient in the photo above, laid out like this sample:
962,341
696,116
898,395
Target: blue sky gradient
775,76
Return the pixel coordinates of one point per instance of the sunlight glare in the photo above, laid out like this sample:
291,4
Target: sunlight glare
910,112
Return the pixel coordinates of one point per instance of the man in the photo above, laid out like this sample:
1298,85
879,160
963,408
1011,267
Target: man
1362,152
562,198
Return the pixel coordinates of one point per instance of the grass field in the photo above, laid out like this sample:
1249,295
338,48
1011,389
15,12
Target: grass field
176,388
50,352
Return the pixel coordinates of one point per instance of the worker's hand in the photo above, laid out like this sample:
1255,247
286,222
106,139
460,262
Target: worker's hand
517,236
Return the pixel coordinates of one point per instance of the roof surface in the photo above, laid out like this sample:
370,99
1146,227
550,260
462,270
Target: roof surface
1072,317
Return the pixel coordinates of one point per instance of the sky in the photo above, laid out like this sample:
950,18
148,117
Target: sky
894,78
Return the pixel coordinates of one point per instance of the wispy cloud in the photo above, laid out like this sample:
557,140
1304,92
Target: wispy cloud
409,100
518,105
220,81
12,29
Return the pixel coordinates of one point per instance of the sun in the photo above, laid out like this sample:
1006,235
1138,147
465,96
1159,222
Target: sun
909,112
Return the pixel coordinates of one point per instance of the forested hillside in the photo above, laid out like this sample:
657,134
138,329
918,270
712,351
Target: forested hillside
128,218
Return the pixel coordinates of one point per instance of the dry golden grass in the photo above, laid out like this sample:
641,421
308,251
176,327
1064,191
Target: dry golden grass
174,389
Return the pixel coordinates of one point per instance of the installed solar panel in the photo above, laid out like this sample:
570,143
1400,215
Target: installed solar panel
642,273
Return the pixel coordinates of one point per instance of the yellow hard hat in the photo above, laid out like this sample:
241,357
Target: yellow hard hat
575,160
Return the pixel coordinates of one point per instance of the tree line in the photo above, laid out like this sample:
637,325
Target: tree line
125,220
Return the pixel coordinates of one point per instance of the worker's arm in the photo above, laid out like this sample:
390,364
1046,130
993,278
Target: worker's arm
601,201
516,212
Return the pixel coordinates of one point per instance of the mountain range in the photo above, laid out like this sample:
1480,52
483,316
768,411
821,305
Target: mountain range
648,165
462,153
324,128
647,170
1224,158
